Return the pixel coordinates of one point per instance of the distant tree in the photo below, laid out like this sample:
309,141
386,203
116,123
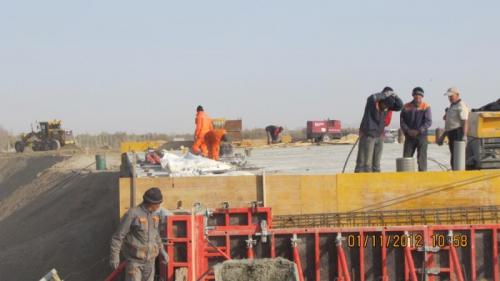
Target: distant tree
4,139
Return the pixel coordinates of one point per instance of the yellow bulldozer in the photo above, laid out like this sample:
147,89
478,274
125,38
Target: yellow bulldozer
49,136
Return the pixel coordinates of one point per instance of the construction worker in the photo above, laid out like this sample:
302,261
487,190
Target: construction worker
203,126
456,125
371,131
416,119
139,235
213,139
273,134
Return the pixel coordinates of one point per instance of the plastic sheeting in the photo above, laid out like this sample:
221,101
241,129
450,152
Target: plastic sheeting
191,165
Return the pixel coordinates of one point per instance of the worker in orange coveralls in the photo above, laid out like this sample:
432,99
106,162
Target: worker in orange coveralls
203,126
213,139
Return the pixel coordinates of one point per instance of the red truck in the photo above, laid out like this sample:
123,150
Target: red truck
324,130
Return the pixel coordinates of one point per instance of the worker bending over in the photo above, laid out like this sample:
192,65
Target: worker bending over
371,131
139,236
203,126
273,134
213,139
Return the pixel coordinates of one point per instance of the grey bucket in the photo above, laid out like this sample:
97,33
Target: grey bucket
405,165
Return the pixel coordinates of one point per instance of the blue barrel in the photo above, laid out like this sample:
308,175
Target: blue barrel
100,162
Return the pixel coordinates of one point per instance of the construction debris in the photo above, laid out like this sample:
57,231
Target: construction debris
257,270
51,276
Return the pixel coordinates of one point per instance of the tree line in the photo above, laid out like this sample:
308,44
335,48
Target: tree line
113,140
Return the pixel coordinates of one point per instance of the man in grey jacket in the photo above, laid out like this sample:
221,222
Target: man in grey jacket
139,237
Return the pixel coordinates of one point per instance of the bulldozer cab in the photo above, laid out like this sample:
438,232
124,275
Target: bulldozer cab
44,128
50,128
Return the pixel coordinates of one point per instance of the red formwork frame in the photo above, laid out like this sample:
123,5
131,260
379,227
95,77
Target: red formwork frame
199,248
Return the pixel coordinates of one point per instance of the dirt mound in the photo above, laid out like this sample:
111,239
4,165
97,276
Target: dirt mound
55,213
18,171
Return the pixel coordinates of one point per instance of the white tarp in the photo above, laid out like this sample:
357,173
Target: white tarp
191,165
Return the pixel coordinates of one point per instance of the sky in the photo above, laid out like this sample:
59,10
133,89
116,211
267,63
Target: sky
144,66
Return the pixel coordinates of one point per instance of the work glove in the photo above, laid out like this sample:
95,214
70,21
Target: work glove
114,262
164,256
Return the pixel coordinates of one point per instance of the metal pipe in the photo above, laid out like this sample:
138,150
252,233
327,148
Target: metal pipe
454,257
459,156
250,242
226,256
411,264
456,263
342,259
133,180
296,257
264,189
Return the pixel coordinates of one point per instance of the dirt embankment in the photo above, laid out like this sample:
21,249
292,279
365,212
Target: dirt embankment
55,212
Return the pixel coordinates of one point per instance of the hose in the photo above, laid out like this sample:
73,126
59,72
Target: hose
349,156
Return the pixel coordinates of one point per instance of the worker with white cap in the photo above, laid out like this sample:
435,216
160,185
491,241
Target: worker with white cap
456,116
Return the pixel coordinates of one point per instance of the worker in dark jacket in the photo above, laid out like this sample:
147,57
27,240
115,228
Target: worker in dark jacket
371,131
416,119
139,236
273,133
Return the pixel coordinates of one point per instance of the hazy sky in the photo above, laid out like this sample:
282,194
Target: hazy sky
143,66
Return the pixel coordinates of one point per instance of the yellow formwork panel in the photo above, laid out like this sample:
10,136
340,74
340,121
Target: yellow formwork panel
137,146
313,194
402,191
484,125
210,191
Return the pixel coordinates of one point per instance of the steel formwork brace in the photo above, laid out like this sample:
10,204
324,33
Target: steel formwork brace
248,229
454,257
296,256
222,253
343,268
409,262
250,243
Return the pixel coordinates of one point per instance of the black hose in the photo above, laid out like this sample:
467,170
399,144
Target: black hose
349,156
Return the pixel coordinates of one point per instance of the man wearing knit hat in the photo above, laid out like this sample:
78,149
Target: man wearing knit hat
139,236
416,119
